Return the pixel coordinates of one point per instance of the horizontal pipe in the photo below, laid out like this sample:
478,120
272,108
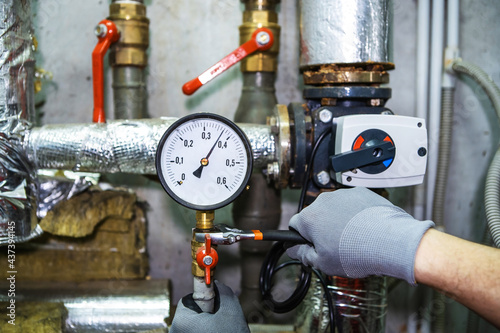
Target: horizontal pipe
103,306
127,146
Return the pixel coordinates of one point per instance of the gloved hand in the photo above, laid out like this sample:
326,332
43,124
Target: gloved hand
228,316
356,233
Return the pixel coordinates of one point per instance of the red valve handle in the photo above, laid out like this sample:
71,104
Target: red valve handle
107,33
262,39
207,257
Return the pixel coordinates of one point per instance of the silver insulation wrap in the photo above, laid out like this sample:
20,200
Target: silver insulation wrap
345,32
53,190
360,306
17,177
124,306
127,146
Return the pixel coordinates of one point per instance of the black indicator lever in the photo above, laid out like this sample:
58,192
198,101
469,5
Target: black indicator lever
362,157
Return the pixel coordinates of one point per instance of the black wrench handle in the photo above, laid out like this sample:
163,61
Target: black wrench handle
283,235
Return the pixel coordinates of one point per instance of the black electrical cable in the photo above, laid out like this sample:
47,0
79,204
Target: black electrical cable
310,169
267,272
269,267
266,275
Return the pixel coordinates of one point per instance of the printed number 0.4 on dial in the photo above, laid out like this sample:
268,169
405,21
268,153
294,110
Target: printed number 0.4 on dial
204,161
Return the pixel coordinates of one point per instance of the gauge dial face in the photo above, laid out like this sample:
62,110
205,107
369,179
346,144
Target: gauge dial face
204,161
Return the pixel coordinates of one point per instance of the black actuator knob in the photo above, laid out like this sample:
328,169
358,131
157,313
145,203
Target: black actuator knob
377,153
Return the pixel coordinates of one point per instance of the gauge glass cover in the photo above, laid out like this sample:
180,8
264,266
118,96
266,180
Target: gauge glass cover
204,161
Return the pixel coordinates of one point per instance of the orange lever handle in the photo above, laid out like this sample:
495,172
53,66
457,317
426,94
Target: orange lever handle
107,33
262,39
207,257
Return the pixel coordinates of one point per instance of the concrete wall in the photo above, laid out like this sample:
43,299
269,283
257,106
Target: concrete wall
189,36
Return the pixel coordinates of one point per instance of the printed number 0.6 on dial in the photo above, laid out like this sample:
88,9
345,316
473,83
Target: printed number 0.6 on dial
204,161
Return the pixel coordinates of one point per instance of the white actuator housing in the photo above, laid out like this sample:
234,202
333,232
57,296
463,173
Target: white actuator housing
357,133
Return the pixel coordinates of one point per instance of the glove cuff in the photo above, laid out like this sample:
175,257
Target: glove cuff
382,240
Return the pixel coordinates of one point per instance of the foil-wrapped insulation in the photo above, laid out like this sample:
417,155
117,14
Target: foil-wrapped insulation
263,143
17,176
345,32
104,306
127,146
17,191
312,316
360,306
52,190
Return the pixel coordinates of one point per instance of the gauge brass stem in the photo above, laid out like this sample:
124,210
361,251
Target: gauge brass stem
205,219
204,223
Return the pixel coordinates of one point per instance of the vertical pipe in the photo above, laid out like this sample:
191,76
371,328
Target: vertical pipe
128,59
436,76
436,68
203,293
129,92
452,17
345,32
362,32
260,207
17,176
422,91
445,138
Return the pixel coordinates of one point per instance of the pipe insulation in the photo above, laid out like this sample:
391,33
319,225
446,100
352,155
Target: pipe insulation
123,306
17,174
345,32
127,146
492,186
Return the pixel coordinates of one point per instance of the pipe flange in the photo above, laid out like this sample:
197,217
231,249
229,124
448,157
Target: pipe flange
301,138
283,147
347,92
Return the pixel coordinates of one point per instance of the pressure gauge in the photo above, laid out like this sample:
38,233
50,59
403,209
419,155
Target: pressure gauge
204,161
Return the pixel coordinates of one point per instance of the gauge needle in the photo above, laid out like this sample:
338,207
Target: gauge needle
204,161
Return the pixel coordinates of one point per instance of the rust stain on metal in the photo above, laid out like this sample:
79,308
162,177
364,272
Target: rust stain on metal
372,74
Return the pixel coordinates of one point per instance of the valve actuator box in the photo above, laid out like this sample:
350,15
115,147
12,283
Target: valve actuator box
379,150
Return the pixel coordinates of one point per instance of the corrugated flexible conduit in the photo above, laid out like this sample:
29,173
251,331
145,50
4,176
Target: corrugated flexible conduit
492,186
445,129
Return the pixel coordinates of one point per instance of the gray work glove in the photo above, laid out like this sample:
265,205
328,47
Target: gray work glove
356,233
228,316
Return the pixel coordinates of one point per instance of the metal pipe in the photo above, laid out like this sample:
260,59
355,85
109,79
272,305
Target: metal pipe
436,71
104,306
436,74
259,208
345,32
127,146
422,89
17,177
129,92
203,294
128,59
